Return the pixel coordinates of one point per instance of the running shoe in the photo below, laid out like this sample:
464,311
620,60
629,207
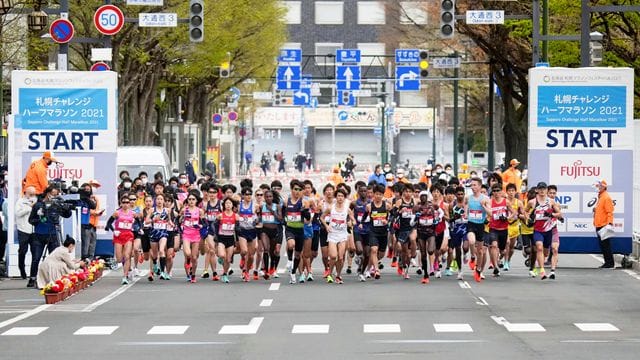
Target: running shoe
301,279
377,275
399,270
193,279
140,259
496,272
292,278
460,276
220,261
368,275
419,271
472,264
357,259
448,272
225,279
507,266
205,275
348,269
380,265
413,262
329,279
490,267
275,275
289,265
406,276
272,271
215,277
339,280
543,275
454,265
501,264
361,278
326,273
125,281
230,272
150,277
310,277
265,275
424,280
476,276
245,276
438,274
481,276
255,275
465,258
552,276
156,269
242,263
389,253
394,262
532,273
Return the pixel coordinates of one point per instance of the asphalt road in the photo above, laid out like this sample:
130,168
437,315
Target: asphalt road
513,316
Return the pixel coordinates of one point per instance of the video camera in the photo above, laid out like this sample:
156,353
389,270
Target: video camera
70,196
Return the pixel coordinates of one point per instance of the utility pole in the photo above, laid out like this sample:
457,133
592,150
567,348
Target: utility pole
456,75
490,142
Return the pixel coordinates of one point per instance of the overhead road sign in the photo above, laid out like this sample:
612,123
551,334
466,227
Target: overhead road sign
145,2
158,20
446,62
361,93
407,56
288,78
302,97
348,56
61,31
108,19
290,56
348,77
262,95
407,78
484,17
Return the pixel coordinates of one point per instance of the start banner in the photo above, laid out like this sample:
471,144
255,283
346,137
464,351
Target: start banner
580,132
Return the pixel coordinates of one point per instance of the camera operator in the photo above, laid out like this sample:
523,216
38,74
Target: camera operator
45,217
86,205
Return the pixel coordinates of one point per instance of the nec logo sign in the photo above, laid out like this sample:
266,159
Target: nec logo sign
580,225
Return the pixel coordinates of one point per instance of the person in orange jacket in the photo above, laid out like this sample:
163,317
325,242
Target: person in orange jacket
603,217
37,174
336,178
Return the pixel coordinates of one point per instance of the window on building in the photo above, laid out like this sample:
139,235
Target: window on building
329,12
371,13
291,45
413,12
372,49
323,49
413,98
294,12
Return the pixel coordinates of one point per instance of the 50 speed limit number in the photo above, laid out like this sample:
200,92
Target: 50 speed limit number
108,19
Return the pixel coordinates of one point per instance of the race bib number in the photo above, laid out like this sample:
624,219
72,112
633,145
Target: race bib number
125,225
294,217
268,218
426,221
475,214
160,225
407,214
227,229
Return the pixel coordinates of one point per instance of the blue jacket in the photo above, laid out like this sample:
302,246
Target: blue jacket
380,179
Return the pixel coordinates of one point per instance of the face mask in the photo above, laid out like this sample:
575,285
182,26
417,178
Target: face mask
183,181
523,188
173,186
127,185
450,172
438,170
144,181
33,199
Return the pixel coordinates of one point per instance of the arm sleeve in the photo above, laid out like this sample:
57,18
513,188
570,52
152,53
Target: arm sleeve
110,222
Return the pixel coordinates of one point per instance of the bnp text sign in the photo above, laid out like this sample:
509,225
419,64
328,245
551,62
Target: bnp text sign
580,132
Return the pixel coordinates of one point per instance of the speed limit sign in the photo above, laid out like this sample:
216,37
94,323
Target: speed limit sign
108,19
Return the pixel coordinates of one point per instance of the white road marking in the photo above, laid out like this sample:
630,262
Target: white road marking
96,330
452,328
310,329
281,271
168,330
111,296
23,300
381,328
464,285
26,315
172,343
596,327
499,320
586,341
251,328
18,311
632,273
426,341
524,327
274,286
482,301
266,302
24,331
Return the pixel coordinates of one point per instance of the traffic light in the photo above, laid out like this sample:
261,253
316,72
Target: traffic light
225,69
277,98
447,18
424,63
196,20
346,97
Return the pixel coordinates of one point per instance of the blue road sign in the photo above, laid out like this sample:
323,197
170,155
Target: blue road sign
407,56
343,115
346,98
288,77
377,130
542,64
314,102
235,94
290,56
348,56
61,31
302,96
348,77
407,78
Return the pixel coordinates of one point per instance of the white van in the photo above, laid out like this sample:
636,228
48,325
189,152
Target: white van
151,159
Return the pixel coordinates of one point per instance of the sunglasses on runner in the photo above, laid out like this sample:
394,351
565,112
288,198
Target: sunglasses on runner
259,194
125,201
191,198
297,189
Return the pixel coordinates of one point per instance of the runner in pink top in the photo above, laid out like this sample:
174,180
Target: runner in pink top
190,217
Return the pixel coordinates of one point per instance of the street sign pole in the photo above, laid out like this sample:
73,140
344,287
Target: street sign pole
456,74
490,142
63,49
334,101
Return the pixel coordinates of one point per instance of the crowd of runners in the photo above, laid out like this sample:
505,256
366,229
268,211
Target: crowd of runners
442,226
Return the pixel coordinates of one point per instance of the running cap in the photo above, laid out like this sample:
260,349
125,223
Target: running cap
94,183
514,162
541,185
427,194
602,183
389,176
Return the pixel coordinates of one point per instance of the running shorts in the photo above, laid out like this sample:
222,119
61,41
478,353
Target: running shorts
315,240
477,229
323,237
403,236
248,234
227,240
514,230
439,240
123,238
499,236
297,235
458,235
556,236
543,237
274,234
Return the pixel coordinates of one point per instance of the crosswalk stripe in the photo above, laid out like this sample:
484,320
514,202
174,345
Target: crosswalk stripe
524,327
596,327
25,331
310,329
168,330
452,328
381,328
96,330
